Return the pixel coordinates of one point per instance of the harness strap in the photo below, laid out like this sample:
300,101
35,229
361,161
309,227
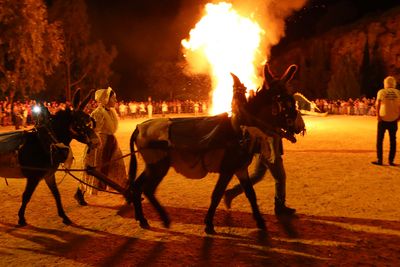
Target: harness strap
71,170
268,129
116,159
83,182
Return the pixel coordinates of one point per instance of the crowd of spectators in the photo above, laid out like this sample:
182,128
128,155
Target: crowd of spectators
22,112
358,106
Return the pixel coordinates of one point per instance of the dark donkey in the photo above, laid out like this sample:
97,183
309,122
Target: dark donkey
36,154
196,146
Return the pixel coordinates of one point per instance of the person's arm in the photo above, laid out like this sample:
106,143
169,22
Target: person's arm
398,104
398,118
378,107
99,118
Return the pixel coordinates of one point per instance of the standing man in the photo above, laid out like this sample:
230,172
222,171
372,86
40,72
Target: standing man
150,110
164,108
388,114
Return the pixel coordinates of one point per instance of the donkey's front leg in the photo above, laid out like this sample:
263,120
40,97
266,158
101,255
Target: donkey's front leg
31,184
245,182
216,197
51,183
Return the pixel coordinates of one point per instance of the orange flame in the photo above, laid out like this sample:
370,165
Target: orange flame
223,41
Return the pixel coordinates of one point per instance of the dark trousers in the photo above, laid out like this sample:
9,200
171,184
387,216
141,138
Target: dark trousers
391,126
278,172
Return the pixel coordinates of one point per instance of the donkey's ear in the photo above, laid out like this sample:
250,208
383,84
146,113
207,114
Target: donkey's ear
83,104
236,81
76,98
268,76
289,73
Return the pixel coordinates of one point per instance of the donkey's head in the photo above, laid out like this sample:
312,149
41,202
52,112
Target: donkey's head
75,123
274,105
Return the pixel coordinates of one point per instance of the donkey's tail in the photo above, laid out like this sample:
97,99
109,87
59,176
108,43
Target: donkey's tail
132,166
133,161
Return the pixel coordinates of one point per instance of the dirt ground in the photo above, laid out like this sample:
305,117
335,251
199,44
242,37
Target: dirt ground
348,213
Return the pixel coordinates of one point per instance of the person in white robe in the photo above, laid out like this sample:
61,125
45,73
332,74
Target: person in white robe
107,157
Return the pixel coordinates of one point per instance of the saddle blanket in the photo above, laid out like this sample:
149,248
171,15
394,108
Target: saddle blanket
9,165
10,141
200,133
197,145
9,144
157,136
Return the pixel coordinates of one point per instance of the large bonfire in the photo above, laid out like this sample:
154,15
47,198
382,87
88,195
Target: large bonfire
236,38
224,41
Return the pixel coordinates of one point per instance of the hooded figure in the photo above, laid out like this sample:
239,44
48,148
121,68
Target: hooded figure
104,157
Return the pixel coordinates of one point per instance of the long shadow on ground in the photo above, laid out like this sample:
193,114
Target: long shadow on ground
304,240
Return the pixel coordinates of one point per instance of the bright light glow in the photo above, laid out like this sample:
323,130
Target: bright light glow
36,109
223,41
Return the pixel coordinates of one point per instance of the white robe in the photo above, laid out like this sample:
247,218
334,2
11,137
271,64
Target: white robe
106,124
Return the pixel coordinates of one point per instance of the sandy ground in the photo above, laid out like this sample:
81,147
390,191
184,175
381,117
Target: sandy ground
348,213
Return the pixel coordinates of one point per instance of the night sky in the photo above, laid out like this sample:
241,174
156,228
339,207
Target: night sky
146,31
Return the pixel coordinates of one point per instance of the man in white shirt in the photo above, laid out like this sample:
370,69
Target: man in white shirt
388,114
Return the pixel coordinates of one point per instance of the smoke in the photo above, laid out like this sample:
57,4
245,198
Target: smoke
271,14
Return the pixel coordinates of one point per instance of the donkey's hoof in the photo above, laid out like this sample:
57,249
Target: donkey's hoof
167,223
80,198
67,221
144,224
261,225
21,222
210,229
82,202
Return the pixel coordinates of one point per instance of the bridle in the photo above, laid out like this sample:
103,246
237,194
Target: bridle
82,127
286,111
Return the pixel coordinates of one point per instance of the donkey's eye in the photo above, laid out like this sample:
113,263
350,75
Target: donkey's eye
78,127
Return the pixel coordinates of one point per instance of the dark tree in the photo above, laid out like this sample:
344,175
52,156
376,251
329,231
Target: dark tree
86,62
168,80
30,46
372,70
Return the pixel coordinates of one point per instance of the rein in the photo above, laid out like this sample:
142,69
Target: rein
74,170
69,172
